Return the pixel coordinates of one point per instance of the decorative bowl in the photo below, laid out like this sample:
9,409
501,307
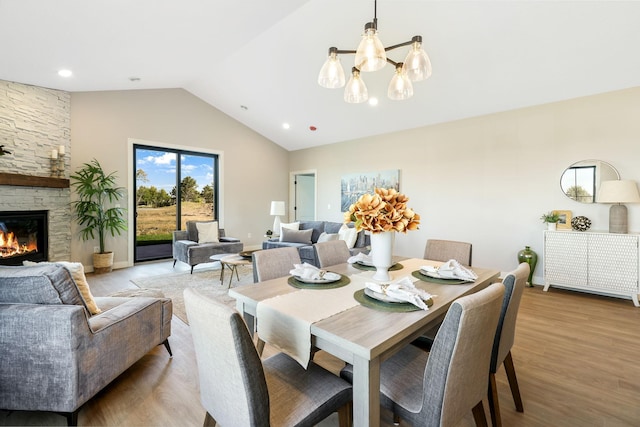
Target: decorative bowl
580,223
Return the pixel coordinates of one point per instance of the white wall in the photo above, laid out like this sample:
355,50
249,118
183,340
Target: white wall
255,169
487,180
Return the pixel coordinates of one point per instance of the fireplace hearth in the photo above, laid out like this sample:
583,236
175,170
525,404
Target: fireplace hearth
23,236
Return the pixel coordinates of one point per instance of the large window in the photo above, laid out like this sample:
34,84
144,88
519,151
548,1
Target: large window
172,187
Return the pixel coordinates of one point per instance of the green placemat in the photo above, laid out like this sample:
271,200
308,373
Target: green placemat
394,267
426,278
344,281
397,307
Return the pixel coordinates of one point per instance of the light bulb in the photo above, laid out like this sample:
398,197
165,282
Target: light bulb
331,74
400,87
370,55
356,91
417,65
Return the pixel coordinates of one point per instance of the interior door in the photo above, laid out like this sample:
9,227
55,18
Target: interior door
305,197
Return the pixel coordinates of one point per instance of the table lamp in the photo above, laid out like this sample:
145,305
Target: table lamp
618,192
277,209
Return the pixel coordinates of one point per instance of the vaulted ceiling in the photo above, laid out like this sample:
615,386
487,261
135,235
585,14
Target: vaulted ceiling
258,61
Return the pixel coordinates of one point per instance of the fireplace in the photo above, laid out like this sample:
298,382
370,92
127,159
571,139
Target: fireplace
23,237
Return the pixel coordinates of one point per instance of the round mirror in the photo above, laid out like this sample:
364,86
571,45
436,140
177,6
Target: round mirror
581,180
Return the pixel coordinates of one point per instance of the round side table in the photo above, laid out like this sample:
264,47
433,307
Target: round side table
232,262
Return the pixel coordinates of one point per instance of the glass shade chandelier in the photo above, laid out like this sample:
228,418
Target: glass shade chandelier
371,55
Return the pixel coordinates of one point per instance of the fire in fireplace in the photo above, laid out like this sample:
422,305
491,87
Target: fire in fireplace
23,236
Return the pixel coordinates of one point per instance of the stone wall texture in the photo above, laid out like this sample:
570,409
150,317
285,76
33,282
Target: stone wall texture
33,122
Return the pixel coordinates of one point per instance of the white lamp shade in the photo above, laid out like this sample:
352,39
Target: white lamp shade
277,208
620,191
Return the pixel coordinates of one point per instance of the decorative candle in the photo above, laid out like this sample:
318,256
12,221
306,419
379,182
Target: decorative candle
54,154
61,150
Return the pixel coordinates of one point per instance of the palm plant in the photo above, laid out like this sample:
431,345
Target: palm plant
96,190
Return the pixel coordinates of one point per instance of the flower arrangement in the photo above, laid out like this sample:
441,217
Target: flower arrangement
384,210
550,217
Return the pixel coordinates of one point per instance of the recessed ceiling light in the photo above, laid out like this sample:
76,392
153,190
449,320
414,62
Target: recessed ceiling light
65,73
373,101
286,125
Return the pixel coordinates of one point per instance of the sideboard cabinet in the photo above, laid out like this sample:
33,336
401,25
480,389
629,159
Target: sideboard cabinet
603,263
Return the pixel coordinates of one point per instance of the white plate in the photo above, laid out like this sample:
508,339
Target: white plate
437,275
381,297
329,277
365,263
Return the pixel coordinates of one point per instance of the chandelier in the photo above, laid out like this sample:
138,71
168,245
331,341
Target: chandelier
371,55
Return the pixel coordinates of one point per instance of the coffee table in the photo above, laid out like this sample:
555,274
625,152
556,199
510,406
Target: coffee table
232,262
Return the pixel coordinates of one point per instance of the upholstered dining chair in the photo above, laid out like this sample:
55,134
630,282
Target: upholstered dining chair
440,387
273,263
444,250
332,252
238,389
514,283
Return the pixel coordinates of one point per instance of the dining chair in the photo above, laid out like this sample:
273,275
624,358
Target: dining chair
273,263
514,283
238,389
331,253
440,387
444,250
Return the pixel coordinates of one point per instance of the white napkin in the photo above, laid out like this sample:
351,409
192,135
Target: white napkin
452,269
307,271
402,289
362,257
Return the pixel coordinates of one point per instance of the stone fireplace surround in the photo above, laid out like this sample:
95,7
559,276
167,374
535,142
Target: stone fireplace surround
41,196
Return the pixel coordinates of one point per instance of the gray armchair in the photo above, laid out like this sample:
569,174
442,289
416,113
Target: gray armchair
56,356
186,246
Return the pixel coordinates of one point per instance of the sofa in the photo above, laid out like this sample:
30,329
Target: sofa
326,229
56,354
200,241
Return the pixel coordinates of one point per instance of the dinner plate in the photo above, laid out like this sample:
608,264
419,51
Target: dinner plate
436,275
380,296
328,277
365,263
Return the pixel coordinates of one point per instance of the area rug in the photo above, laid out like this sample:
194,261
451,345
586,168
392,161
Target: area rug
205,281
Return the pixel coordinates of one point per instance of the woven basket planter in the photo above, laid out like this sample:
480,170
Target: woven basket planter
102,263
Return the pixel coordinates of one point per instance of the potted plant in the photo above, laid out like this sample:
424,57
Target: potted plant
96,192
551,219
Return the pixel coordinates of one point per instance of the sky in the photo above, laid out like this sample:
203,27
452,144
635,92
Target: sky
160,167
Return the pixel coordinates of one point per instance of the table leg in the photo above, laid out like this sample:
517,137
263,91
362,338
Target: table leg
366,392
221,272
233,268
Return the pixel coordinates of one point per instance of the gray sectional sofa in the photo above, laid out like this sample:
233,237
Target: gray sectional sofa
306,249
188,249
55,355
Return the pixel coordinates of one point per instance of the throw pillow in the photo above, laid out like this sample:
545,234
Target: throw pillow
290,226
77,273
207,232
296,236
327,237
349,235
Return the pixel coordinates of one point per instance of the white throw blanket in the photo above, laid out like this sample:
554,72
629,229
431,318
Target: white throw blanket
402,290
451,269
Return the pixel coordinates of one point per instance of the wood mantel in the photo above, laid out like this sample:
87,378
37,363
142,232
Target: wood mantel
32,181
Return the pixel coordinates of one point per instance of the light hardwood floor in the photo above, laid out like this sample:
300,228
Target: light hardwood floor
577,358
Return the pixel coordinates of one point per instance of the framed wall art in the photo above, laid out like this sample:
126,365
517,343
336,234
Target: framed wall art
356,184
565,220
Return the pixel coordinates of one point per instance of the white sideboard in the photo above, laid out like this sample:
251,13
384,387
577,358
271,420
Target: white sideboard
605,263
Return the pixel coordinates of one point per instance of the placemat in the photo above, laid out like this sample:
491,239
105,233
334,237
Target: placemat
426,278
344,280
397,307
394,267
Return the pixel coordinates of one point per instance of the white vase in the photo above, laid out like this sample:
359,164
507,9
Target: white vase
551,226
382,254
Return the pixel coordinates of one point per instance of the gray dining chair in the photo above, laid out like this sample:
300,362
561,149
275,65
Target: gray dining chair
273,263
444,250
440,388
331,253
238,389
514,283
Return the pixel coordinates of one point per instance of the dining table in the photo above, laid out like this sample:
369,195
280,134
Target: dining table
363,335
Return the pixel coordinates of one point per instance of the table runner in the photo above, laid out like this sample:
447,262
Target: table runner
285,321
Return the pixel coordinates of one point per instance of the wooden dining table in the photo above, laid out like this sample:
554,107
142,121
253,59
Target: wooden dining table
364,336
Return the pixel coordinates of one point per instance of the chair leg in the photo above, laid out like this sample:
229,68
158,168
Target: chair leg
209,421
72,417
478,415
174,263
260,346
192,269
494,406
345,418
167,346
513,382
396,419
